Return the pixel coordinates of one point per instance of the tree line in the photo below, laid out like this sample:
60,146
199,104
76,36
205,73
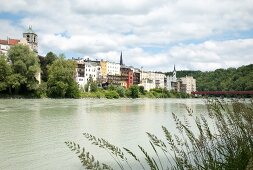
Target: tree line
239,79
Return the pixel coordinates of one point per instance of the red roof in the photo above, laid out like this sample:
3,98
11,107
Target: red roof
9,41
13,41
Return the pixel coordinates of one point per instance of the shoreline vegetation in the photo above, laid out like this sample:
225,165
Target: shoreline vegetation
223,140
19,79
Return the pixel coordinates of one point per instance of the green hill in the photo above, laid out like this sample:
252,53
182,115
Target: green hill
222,79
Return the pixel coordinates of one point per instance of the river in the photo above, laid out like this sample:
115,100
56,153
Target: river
33,131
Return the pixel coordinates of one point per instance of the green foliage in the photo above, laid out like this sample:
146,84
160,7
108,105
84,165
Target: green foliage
111,94
45,62
112,87
229,146
222,79
134,91
93,87
61,81
121,91
86,158
19,75
41,92
142,90
5,72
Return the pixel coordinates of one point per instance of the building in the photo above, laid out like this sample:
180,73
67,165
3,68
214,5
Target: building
172,80
5,45
80,73
87,70
150,80
30,38
92,71
188,84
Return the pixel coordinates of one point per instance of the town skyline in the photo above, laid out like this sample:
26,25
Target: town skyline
193,35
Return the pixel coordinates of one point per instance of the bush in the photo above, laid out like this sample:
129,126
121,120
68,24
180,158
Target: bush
229,146
141,89
42,90
93,87
134,91
121,91
111,95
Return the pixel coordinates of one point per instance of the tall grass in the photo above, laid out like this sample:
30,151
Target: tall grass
224,140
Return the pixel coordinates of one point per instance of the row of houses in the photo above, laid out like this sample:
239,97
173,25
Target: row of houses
107,72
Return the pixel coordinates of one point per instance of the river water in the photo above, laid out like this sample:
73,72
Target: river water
33,132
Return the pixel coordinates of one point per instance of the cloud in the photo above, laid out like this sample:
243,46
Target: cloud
152,34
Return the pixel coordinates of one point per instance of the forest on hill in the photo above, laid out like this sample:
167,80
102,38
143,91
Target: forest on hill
240,79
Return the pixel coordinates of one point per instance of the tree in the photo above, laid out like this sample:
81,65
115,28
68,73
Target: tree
61,81
5,72
134,91
45,62
25,67
121,91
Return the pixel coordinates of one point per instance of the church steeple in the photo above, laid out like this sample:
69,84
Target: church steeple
174,74
121,59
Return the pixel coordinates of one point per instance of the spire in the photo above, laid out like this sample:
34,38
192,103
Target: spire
121,59
174,74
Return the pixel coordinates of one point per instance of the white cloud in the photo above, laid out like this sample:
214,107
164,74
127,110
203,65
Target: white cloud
104,28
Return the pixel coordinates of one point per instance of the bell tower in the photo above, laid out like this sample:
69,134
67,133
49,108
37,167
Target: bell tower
31,38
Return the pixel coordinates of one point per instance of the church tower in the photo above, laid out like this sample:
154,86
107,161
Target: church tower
174,74
121,59
31,38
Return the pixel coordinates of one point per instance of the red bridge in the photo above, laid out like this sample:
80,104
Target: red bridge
222,92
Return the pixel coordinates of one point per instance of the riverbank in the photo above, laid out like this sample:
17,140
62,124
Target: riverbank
113,92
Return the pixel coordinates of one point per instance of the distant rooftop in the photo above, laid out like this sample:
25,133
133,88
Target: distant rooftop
9,41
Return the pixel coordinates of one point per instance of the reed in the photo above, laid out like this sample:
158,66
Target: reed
224,140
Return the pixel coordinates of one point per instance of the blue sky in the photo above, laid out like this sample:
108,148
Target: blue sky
192,34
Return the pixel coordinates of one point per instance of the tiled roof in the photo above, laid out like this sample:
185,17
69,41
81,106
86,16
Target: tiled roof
10,42
4,42
13,41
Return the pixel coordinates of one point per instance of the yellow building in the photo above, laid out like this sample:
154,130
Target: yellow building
103,65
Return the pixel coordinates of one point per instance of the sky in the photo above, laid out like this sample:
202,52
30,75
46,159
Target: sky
154,34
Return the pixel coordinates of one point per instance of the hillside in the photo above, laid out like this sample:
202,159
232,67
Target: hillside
222,79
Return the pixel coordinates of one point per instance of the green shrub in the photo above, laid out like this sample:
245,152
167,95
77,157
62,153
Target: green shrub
121,91
41,92
134,91
111,94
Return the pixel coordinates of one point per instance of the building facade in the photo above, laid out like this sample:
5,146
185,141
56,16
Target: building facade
172,80
150,80
188,84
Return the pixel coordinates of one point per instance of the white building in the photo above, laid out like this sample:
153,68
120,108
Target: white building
87,70
150,80
189,84
172,80
80,70
92,71
113,68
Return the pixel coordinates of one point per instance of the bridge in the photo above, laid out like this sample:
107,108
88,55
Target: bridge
222,92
